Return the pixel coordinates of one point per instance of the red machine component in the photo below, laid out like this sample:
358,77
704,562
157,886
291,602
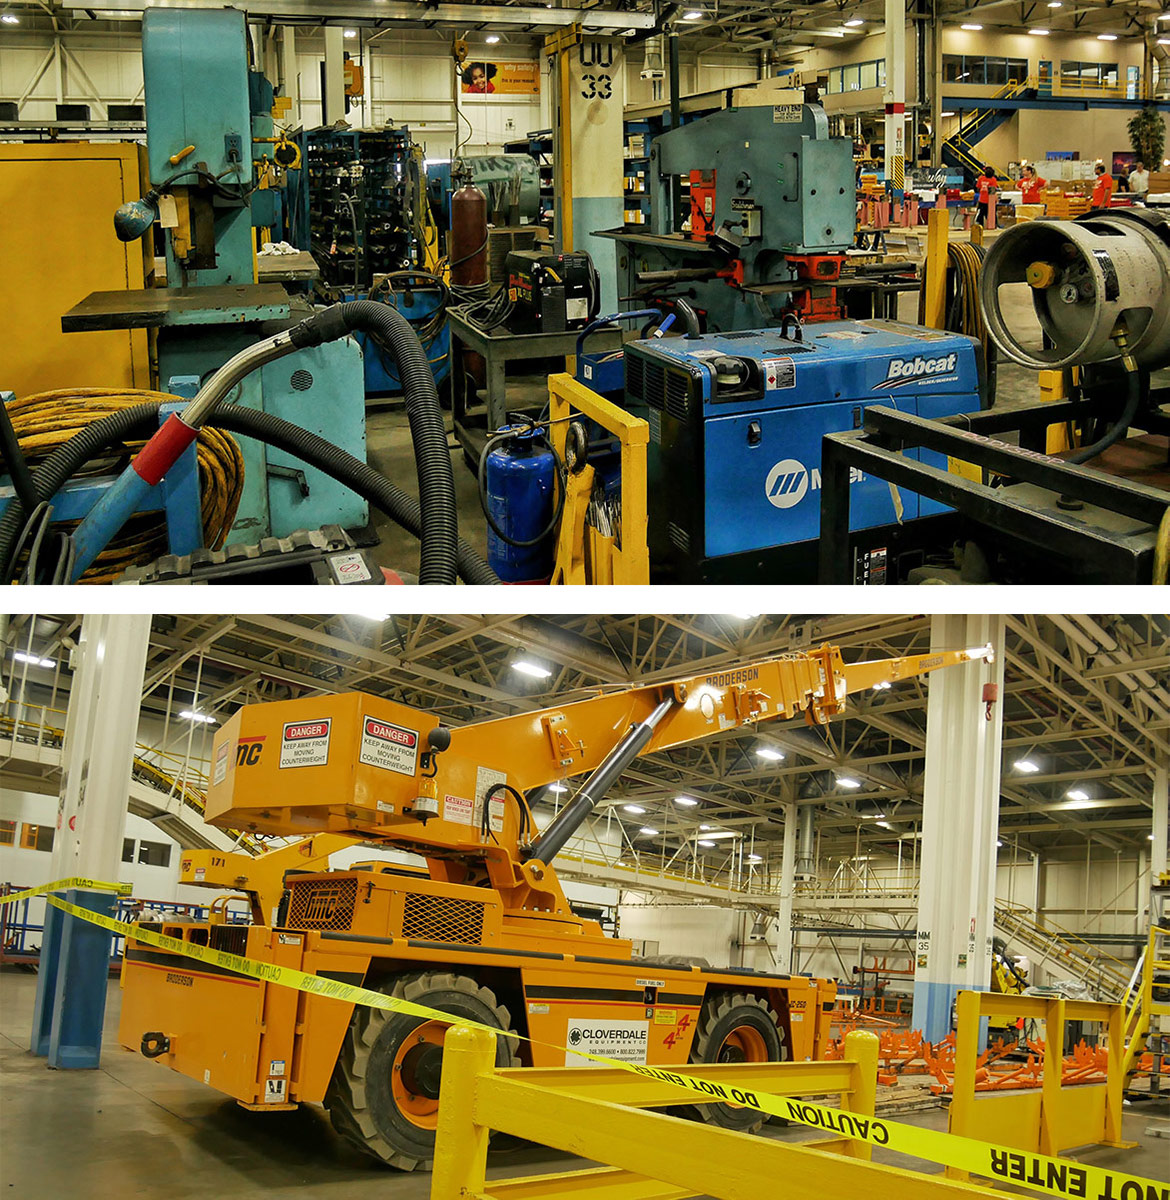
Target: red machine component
817,268
703,205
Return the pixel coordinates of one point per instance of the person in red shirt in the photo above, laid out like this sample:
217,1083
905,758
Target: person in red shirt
1031,185
1103,188
986,185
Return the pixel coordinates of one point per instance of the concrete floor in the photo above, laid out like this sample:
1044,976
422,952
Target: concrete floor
134,1128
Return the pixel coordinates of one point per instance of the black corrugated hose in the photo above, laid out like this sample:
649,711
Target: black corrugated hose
69,458
436,482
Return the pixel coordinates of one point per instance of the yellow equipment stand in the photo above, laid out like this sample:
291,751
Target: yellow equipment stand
73,189
595,1113
1050,1118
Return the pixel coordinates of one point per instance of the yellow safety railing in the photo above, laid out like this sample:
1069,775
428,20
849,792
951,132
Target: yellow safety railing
585,552
598,1114
1140,1005
1048,1119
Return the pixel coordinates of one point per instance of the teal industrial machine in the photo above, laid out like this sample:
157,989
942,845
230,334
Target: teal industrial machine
205,112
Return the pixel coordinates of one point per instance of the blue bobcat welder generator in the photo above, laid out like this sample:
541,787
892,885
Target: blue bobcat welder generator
736,422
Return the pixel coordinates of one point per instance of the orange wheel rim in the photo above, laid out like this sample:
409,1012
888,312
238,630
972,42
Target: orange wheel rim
743,1044
413,1075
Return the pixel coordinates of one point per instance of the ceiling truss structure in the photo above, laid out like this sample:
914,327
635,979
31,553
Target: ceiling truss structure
1086,701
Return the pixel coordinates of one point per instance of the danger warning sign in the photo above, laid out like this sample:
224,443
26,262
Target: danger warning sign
389,747
305,743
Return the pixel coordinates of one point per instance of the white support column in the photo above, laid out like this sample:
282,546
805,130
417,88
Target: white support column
333,83
956,900
101,730
1161,829
290,76
895,92
787,886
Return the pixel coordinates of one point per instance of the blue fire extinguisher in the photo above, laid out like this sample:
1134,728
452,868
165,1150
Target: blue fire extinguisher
522,500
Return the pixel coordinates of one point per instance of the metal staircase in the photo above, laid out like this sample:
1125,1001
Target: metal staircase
1147,1000
959,149
1108,978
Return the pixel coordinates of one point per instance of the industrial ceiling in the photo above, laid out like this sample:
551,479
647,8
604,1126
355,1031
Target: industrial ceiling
1086,705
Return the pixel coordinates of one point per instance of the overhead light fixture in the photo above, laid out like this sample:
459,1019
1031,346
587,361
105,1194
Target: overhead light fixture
636,809
1164,41
686,801
1077,794
350,33
847,781
1026,765
648,831
189,714
755,858
987,652
853,22
492,39
1054,3
884,825
559,788
743,616
371,616
971,28
35,659
1038,32
693,15
885,683
878,817
1163,16
530,668
711,845
722,833
704,827
945,114
770,753
10,19
1149,837
1106,37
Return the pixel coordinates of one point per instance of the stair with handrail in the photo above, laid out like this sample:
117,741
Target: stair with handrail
959,149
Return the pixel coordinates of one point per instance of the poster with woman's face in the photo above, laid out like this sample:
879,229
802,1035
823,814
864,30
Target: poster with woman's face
500,78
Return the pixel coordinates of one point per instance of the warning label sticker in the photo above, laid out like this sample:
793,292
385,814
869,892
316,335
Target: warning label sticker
458,809
779,373
787,114
305,743
625,1041
389,747
221,763
274,1091
485,780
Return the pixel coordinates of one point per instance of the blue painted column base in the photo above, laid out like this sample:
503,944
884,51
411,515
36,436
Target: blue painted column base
934,1006
70,1007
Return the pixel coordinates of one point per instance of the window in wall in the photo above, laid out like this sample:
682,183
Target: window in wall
154,854
36,837
1078,75
128,850
7,833
982,70
856,76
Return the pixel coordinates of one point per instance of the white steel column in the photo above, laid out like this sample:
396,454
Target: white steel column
787,885
1161,829
290,76
956,899
333,81
97,753
895,92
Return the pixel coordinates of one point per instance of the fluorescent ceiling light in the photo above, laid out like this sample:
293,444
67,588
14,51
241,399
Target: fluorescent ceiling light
770,753
853,22
945,114
986,652
711,845
686,801
1053,3
884,825
1026,765
847,781
1106,37
885,683
557,787
350,33
648,831
190,715
693,15
492,38
1038,32
998,845
743,616
636,809
722,833
971,28
1163,16
755,858
1149,837
530,668
1077,794
35,659
371,616
1164,41
10,19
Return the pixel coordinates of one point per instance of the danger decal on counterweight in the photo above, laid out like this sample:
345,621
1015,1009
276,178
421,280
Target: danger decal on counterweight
389,747
305,743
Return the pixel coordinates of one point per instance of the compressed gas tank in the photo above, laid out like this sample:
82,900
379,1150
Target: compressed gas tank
469,230
520,490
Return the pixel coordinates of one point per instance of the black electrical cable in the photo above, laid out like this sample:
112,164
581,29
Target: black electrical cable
468,257
1117,431
22,481
481,479
485,824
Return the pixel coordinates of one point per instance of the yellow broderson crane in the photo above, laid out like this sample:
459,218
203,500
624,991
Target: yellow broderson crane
480,928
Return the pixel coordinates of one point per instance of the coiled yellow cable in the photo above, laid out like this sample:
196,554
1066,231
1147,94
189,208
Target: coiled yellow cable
964,262
45,420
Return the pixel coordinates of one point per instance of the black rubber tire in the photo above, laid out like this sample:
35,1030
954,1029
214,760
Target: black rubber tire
722,1013
359,1097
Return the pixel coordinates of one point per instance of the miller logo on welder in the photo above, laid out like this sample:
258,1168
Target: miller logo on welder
550,293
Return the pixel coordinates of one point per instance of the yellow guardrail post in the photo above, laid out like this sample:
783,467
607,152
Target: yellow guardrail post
461,1146
861,1051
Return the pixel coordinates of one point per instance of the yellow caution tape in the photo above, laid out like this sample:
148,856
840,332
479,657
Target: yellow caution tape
74,881
1054,1176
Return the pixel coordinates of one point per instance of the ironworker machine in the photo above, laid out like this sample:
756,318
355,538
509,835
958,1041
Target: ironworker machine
480,927
772,212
